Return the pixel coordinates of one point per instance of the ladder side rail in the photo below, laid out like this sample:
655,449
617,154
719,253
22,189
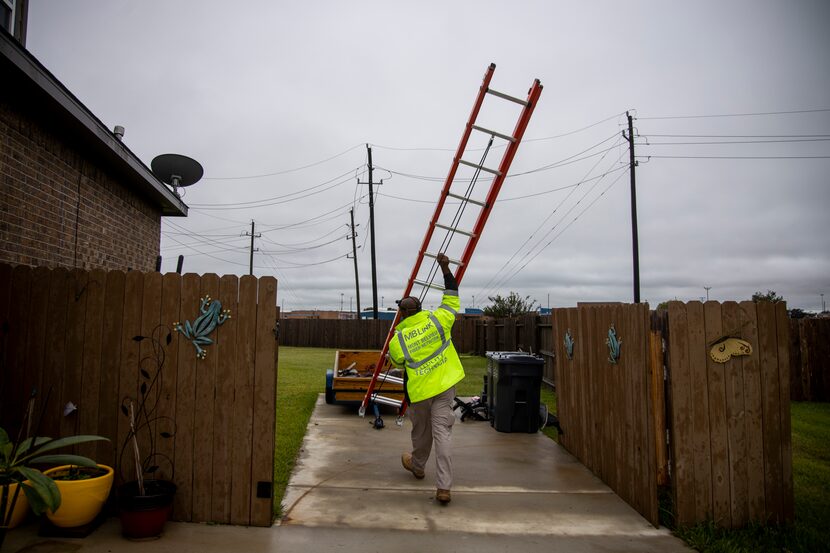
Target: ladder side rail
495,187
488,75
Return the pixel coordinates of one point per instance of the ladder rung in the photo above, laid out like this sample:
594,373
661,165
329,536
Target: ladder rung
386,377
506,97
477,166
454,261
458,230
383,400
494,133
466,199
429,285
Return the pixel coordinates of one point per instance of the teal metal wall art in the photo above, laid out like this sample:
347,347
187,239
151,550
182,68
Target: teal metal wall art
211,317
614,345
569,344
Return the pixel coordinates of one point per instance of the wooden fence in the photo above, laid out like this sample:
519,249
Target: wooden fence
334,333
605,408
475,335
810,359
730,422
72,332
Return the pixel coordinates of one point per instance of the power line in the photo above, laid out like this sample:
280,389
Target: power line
524,140
318,218
545,220
739,114
734,157
303,243
301,265
285,171
227,207
739,135
552,240
556,164
782,141
303,250
574,132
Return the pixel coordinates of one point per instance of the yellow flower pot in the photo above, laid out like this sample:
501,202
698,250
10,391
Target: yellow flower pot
81,500
20,508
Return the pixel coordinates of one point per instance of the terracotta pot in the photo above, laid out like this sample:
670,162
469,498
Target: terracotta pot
144,516
81,500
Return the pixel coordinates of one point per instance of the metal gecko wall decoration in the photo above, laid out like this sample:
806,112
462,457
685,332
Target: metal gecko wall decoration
211,316
614,345
569,344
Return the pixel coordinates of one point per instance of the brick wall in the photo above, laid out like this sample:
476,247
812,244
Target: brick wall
59,207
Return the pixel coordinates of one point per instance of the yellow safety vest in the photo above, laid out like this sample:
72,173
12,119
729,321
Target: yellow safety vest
423,345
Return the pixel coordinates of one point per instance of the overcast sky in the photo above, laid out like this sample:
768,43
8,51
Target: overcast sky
277,100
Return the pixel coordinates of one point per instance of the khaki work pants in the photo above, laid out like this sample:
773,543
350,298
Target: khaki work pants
432,421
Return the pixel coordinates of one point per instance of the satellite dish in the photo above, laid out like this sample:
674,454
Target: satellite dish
177,170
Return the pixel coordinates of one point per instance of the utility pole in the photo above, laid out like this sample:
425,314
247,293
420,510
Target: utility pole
372,233
253,235
354,256
634,239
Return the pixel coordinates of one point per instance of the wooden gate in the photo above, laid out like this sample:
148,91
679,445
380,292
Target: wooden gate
73,332
730,422
605,407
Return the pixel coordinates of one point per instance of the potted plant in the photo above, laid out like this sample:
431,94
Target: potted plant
84,490
17,472
146,502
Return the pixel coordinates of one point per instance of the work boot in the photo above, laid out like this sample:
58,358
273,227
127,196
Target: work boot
443,496
406,461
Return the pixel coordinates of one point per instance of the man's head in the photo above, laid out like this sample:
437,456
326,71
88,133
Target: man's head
409,306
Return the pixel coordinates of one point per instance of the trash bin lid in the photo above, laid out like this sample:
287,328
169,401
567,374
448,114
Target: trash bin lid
517,357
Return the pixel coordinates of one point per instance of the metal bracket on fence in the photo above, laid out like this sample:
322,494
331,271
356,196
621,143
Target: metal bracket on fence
614,345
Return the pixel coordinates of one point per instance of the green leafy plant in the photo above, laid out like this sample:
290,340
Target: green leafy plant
16,462
17,458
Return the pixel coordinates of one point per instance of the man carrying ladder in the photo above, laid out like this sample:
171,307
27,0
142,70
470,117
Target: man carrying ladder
422,345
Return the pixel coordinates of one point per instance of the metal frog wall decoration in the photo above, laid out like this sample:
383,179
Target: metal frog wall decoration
211,317
728,347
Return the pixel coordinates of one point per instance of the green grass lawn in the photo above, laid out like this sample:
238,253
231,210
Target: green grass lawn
302,376
811,482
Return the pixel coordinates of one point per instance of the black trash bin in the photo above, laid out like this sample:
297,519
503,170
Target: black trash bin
514,387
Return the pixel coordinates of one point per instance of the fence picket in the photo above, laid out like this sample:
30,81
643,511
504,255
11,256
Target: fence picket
736,429
265,372
186,406
753,413
770,389
225,351
717,418
205,411
171,288
91,365
243,411
787,492
109,398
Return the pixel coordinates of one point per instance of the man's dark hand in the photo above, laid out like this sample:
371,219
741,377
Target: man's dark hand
443,262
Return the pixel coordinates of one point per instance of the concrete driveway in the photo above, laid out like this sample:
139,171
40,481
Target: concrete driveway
349,493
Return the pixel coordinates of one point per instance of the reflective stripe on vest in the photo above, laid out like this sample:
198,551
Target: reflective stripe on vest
411,363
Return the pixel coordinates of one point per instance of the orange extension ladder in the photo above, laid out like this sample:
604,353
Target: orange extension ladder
485,206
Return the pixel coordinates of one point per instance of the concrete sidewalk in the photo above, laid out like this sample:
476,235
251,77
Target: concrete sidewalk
349,493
